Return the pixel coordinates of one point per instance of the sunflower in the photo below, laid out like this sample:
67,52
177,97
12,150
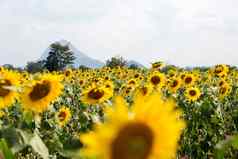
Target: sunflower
107,78
172,73
189,79
98,81
182,75
109,86
157,79
224,90
1,69
9,83
221,70
127,90
2,113
96,94
81,82
158,65
63,116
143,91
132,82
68,75
39,94
221,83
137,76
174,84
192,94
24,77
150,130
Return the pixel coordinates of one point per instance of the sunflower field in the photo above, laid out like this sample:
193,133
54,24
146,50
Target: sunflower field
164,112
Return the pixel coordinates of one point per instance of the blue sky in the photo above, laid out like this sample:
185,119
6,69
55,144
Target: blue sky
181,32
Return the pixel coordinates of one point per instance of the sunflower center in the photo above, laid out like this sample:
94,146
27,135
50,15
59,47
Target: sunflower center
67,73
144,90
134,141
155,80
218,69
108,86
192,92
62,115
182,76
188,80
157,65
3,91
40,90
127,91
96,94
221,83
81,82
136,75
132,82
223,90
174,83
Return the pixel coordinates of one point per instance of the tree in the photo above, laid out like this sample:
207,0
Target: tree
34,67
59,57
168,68
12,67
9,66
116,61
83,68
134,66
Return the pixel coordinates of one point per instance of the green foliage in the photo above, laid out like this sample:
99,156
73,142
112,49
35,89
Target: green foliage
12,67
212,124
117,61
59,57
34,67
133,66
83,68
5,152
209,121
223,146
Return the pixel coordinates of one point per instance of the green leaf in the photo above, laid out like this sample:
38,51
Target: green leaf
10,135
234,142
28,117
5,151
224,145
38,146
33,140
219,154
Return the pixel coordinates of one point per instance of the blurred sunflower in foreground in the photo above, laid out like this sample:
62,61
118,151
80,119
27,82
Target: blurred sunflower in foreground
38,95
151,130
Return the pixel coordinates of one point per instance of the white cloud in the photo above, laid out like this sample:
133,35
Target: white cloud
184,32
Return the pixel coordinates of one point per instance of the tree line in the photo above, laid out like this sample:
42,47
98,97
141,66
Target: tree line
61,57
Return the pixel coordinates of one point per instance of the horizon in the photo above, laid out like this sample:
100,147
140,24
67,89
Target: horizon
148,64
184,33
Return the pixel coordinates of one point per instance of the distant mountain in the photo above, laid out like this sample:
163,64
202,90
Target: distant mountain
81,58
131,62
